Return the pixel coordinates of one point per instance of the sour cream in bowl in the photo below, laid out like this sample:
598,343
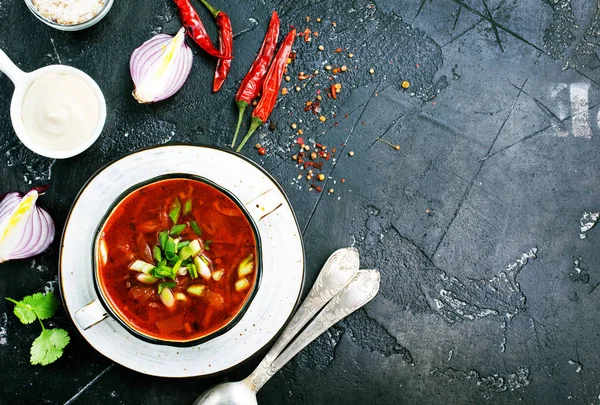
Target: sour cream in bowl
56,111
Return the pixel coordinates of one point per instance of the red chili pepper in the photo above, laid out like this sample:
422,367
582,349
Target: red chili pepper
252,83
195,29
225,44
270,88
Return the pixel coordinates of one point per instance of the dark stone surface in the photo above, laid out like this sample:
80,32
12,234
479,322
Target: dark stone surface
489,295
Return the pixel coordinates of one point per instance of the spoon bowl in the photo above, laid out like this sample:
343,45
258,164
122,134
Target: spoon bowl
233,393
23,80
361,289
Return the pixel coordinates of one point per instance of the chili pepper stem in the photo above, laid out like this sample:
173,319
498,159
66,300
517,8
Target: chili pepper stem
210,8
241,108
256,123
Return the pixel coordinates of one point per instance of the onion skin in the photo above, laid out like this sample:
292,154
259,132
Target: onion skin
26,230
160,67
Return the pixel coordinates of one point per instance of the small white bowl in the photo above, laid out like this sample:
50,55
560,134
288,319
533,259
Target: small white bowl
23,81
71,27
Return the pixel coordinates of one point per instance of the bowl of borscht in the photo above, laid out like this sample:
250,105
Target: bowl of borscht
181,260
177,260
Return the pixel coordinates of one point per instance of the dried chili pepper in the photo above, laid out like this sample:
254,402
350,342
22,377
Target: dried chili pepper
270,88
252,83
195,29
225,45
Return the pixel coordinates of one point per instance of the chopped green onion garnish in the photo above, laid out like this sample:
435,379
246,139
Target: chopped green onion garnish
162,272
162,239
157,253
195,228
142,266
170,247
175,268
246,266
207,244
182,244
177,229
195,246
167,297
187,208
173,260
242,284
168,284
185,252
146,279
202,266
175,208
192,271
197,289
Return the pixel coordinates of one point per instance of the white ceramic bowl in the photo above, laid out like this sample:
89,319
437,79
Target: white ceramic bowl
23,81
72,27
281,248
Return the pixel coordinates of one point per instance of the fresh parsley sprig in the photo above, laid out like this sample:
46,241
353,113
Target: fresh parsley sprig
49,345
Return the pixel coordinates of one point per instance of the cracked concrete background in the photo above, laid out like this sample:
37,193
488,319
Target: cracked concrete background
483,224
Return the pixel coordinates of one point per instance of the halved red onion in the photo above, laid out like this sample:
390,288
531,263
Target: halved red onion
160,67
25,229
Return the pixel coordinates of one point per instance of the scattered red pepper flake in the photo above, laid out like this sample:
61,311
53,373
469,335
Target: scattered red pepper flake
300,141
262,151
336,71
338,50
333,92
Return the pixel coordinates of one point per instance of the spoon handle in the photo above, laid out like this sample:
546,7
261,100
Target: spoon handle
10,69
361,289
337,271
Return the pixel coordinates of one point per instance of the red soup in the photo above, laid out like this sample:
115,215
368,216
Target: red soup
177,260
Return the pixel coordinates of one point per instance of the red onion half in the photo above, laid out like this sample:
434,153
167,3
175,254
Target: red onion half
160,67
25,229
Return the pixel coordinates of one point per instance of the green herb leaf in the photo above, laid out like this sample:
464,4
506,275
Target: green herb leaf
168,284
175,208
156,252
187,207
207,244
48,347
177,229
162,239
195,228
35,306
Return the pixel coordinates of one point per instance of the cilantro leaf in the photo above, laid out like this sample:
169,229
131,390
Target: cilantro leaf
48,347
35,306
43,305
23,312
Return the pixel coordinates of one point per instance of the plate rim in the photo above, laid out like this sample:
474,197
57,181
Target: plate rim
181,144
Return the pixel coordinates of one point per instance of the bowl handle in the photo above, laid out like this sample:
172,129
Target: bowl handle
90,315
264,204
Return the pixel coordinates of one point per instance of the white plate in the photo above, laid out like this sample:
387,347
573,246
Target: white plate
282,254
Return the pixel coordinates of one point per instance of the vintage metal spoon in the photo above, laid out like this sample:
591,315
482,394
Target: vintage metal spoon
360,290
